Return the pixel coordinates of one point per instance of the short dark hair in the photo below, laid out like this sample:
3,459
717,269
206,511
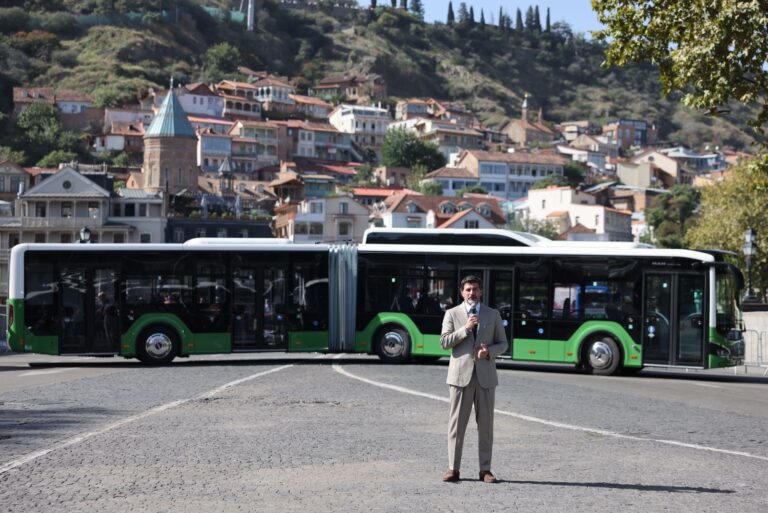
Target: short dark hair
471,279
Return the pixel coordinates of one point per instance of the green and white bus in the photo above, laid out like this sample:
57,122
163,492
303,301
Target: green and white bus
604,307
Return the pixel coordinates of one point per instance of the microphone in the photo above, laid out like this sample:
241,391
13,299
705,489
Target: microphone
473,311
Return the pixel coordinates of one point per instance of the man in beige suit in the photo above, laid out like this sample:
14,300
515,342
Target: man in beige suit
476,336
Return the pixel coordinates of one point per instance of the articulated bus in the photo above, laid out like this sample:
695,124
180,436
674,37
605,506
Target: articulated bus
603,307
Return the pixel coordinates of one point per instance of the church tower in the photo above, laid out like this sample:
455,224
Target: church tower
170,150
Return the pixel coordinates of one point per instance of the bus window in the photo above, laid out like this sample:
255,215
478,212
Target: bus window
310,296
441,289
565,301
39,308
394,289
533,295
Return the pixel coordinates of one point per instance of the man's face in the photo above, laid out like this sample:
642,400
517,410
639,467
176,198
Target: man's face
472,292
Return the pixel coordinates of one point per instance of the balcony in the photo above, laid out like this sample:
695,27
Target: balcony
61,223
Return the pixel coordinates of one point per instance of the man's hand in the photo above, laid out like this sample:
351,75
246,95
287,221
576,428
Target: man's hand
482,353
472,321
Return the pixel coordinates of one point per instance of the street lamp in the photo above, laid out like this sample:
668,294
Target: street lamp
749,249
85,235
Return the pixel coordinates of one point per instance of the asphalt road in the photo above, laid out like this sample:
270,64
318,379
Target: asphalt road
347,433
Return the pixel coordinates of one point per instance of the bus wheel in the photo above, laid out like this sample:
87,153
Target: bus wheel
393,345
602,356
157,345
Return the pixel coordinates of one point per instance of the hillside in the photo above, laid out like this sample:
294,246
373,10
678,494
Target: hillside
116,56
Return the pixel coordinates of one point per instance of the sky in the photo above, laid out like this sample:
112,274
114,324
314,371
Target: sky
578,13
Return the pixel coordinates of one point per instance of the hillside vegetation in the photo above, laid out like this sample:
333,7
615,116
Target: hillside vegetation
97,46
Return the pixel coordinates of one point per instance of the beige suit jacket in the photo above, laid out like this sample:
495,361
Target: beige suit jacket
490,331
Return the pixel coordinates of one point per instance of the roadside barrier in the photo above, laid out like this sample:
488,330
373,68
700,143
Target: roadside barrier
756,350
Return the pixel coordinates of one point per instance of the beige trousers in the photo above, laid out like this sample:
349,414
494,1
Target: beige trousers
461,401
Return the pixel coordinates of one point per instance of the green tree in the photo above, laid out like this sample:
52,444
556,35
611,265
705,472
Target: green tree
728,208
15,156
713,52
431,188
365,176
558,180
548,27
544,228
463,13
482,20
451,17
573,173
473,189
671,214
536,19
519,21
417,8
403,149
373,4
220,60
56,157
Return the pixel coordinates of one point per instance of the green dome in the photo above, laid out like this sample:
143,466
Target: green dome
171,121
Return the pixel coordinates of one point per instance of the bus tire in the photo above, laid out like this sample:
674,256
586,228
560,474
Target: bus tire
393,344
157,345
602,356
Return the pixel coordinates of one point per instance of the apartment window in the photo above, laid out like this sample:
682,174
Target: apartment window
118,238
39,237
142,210
543,204
576,220
345,229
145,238
94,212
65,238
130,210
344,207
39,209
597,220
66,209
221,233
471,223
200,232
315,228
178,235
316,207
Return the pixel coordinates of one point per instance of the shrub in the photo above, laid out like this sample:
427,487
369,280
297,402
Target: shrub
61,23
14,19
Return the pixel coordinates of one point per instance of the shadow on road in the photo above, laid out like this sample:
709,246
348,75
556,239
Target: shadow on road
624,486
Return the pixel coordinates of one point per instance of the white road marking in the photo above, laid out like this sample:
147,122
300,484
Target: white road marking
528,418
158,409
42,372
705,385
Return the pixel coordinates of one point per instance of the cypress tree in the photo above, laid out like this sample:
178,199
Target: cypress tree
549,27
482,19
536,20
417,8
373,4
404,4
501,17
471,15
529,19
519,21
463,13
451,17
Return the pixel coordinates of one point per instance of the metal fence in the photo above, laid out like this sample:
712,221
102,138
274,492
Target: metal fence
756,350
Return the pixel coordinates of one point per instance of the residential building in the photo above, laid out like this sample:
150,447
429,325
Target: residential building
571,130
121,136
170,152
370,196
453,179
311,107
217,125
452,111
240,100
213,149
450,138
355,88
314,140
407,210
413,108
392,176
529,133
367,125
667,171
630,132
569,208
14,179
254,145
196,99
695,161
275,95
595,161
66,101
331,219
509,175
143,116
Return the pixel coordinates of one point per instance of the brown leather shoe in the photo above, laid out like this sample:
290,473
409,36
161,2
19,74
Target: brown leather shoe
451,476
487,477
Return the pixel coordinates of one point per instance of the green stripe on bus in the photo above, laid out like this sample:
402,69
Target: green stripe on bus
299,341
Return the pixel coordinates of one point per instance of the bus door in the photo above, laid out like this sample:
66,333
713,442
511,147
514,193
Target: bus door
531,313
673,319
501,288
88,311
259,309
